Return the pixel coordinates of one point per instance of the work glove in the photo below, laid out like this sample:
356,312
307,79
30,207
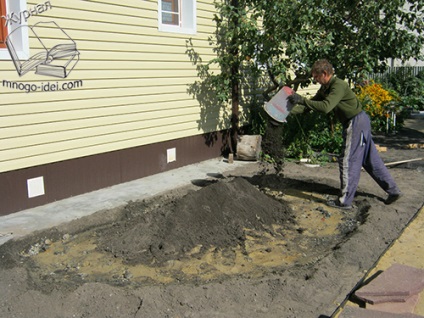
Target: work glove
295,99
299,109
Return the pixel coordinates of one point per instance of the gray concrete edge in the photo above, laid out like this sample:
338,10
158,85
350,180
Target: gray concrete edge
24,222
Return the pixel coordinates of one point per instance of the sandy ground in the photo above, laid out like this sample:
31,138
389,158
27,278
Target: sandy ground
251,244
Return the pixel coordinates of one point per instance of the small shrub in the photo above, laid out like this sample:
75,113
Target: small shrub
379,103
314,136
410,87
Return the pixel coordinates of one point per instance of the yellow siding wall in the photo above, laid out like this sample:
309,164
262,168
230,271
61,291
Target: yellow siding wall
134,90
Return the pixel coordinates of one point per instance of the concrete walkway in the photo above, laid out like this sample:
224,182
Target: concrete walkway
43,217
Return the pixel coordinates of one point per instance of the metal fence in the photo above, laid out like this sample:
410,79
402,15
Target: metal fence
401,71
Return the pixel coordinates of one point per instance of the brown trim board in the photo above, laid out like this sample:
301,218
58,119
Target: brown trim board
69,178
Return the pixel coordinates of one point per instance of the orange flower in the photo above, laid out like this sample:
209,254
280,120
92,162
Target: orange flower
375,98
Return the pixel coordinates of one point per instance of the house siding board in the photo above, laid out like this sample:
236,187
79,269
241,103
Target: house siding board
107,118
121,136
45,106
74,148
147,102
111,116
134,91
42,143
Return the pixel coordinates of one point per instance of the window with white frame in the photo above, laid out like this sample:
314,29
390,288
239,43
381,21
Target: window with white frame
177,16
13,27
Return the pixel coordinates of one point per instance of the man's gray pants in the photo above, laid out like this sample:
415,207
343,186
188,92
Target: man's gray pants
359,151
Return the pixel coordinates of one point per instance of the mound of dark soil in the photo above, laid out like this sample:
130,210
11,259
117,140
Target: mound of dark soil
215,216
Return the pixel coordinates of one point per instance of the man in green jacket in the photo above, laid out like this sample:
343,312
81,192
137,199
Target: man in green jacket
358,147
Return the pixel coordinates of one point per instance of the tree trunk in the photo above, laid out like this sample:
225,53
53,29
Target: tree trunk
235,98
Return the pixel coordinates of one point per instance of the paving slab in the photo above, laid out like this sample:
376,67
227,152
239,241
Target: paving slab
407,306
384,299
397,280
408,249
356,312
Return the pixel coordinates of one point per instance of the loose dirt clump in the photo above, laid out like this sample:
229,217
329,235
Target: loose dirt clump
272,144
219,216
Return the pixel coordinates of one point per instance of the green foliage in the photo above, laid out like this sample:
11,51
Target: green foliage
410,103
282,39
390,100
234,27
258,120
294,34
409,86
313,136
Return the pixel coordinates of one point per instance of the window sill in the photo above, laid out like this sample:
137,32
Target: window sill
172,29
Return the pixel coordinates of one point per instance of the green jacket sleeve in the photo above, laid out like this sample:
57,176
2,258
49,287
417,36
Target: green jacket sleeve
336,96
330,101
